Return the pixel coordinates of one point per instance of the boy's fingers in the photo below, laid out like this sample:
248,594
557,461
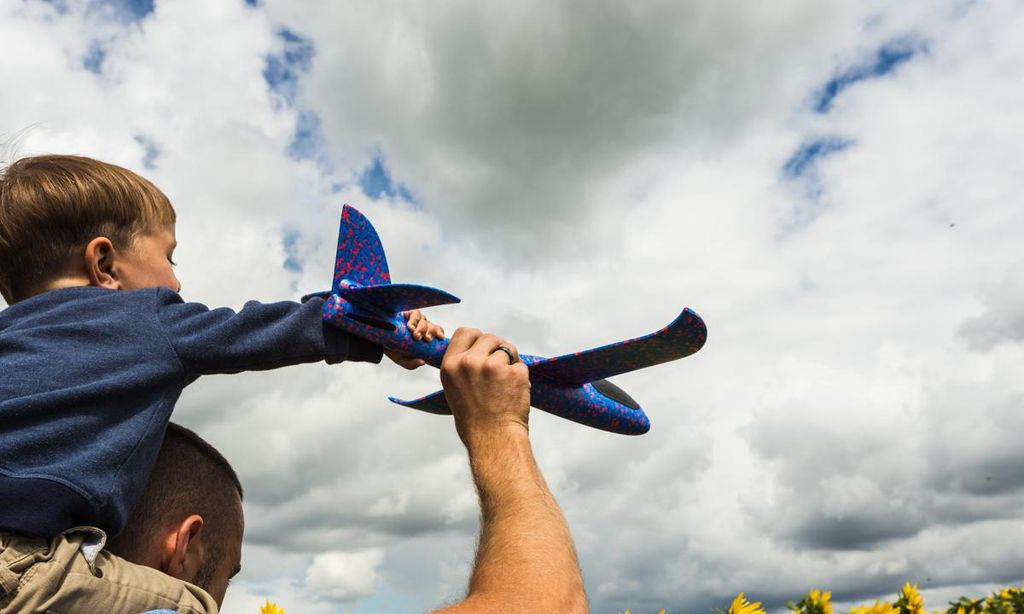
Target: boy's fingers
420,327
406,361
414,363
414,320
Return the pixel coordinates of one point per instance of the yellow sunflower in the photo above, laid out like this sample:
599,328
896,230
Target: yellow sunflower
879,607
820,599
740,605
271,608
910,601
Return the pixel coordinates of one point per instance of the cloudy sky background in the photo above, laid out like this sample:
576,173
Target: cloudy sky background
835,187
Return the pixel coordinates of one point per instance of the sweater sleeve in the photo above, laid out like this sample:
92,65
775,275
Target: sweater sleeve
259,336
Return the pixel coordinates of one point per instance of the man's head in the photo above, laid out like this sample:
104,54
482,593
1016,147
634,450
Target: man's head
71,220
188,523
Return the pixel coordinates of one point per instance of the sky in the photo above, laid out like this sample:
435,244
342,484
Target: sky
834,187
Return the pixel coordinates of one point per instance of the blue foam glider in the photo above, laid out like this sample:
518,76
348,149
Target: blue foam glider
363,301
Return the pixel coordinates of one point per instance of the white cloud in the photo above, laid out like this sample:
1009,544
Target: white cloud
849,424
344,576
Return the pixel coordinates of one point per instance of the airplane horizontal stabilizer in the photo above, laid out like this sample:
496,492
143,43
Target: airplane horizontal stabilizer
684,336
398,297
432,403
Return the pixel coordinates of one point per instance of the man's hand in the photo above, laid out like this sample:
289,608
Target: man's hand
488,389
526,561
421,329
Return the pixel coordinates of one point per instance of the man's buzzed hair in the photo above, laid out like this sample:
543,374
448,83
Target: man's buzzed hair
190,477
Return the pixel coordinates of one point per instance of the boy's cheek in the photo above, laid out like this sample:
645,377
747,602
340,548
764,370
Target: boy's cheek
135,279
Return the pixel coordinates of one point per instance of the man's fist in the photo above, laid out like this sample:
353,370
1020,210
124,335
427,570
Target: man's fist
487,387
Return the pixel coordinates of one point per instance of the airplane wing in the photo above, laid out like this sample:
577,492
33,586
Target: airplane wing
398,297
432,403
684,336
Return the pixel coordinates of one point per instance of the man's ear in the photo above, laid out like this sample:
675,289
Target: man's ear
99,264
181,550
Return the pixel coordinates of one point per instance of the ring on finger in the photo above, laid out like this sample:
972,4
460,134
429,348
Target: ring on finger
512,359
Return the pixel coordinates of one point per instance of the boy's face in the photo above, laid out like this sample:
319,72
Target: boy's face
148,263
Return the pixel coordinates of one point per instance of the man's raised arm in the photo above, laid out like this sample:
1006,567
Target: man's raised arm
525,561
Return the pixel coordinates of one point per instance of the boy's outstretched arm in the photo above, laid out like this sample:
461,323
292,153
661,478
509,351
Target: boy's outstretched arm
258,336
526,561
267,336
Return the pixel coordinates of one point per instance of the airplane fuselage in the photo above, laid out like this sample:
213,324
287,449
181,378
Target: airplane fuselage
599,404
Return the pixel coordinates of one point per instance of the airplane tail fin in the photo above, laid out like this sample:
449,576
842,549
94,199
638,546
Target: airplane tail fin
360,256
361,259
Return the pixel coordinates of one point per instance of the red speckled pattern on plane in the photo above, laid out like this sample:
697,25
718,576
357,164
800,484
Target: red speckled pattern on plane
360,257
561,386
684,336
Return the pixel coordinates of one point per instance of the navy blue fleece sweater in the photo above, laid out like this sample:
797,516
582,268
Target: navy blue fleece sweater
88,379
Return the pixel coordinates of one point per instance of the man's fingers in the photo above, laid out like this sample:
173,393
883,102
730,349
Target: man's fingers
462,340
521,369
505,353
471,347
485,345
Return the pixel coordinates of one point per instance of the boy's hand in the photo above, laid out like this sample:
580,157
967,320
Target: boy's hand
421,329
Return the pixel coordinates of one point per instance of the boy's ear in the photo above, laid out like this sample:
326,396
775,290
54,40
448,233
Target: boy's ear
99,264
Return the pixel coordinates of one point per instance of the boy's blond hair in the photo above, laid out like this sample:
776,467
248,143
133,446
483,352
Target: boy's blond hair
52,206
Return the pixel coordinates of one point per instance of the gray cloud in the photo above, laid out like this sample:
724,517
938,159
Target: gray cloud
859,484
1003,317
519,117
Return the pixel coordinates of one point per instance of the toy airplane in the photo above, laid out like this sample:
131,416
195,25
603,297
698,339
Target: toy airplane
364,302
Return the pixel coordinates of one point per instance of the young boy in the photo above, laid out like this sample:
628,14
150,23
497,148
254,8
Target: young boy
96,346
